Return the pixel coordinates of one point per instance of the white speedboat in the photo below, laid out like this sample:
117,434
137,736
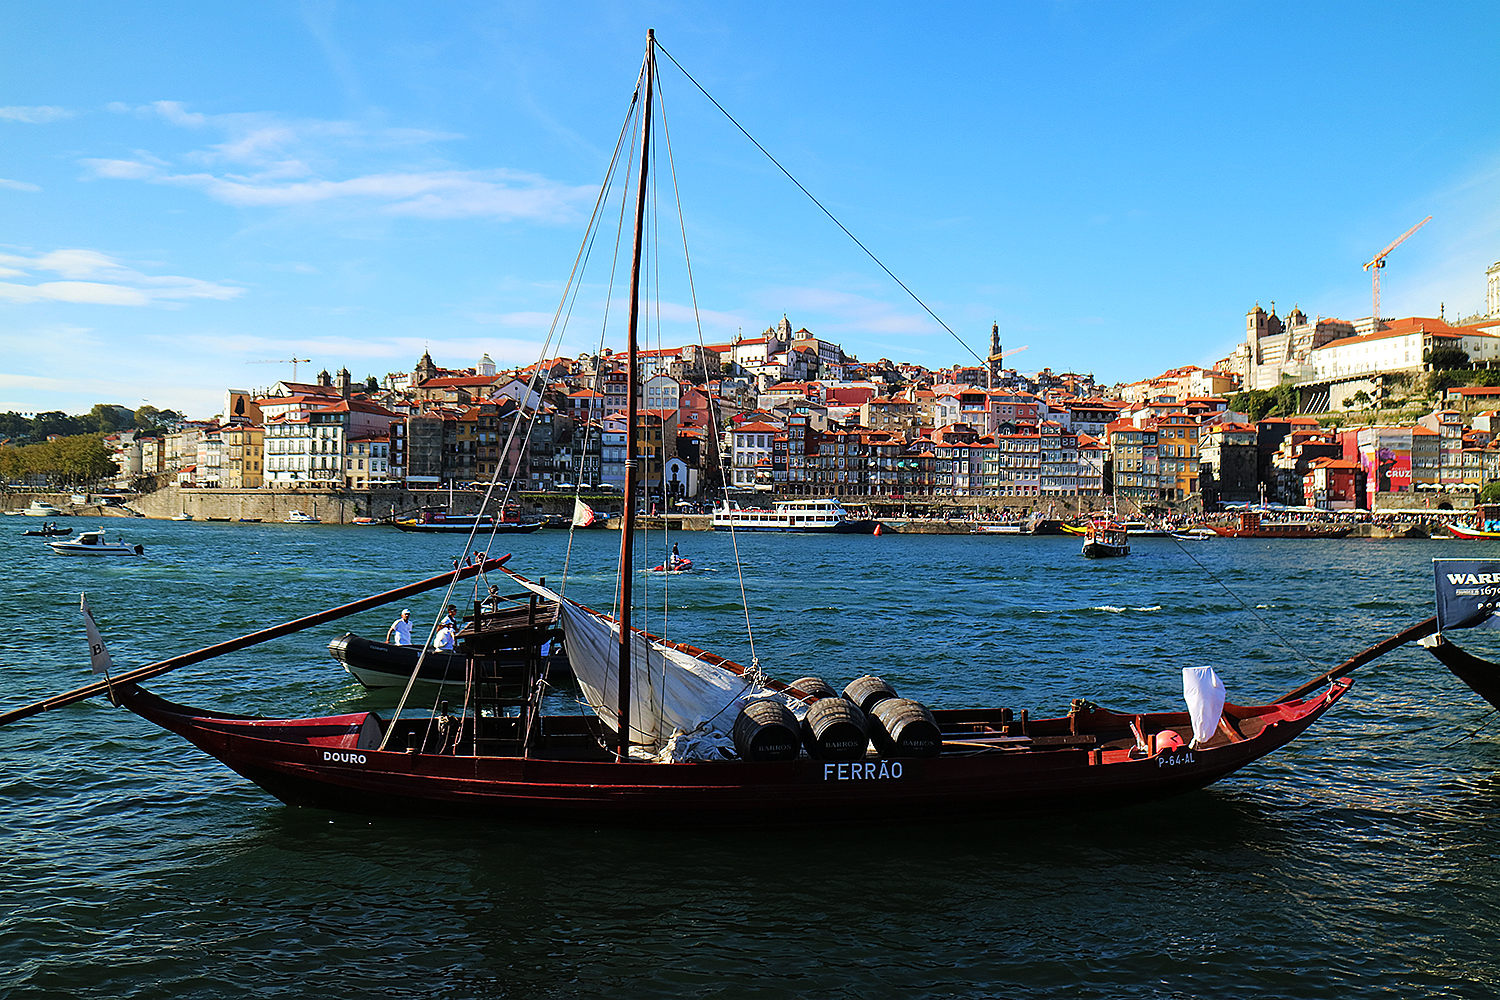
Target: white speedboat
39,508
298,517
184,516
92,543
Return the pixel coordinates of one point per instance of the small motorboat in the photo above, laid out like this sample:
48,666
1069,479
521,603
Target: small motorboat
92,543
40,508
1105,539
47,530
184,516
299,517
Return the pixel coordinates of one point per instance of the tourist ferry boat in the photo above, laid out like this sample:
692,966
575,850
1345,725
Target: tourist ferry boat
824,514
1250,525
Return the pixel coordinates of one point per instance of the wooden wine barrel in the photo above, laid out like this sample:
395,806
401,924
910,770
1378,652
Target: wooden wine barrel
767,730
814,688
866,691
901,727
835,729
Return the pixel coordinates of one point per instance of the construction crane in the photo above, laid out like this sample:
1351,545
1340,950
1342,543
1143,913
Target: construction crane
293,361
1377,263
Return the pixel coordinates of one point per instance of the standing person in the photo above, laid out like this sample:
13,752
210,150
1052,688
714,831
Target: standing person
400,630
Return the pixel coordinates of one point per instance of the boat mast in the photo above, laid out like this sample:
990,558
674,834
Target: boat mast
627,511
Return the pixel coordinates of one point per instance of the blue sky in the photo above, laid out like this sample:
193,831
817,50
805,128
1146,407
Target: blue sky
185,188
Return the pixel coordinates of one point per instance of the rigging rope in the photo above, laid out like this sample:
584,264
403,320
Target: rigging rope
868,253
1269,627
713,408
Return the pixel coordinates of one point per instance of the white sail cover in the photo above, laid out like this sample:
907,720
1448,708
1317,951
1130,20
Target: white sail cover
1204,693
683,705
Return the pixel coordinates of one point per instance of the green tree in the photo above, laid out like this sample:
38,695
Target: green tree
1441,379
1258,404
1444,358
1490,493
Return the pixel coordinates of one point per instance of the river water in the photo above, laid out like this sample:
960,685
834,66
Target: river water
1360,861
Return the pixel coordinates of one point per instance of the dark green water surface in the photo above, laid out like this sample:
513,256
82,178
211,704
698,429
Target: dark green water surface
1361,861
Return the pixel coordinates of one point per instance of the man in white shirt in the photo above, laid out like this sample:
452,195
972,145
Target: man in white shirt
400,630
446,636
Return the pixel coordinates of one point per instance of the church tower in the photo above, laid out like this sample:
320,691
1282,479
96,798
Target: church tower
425,370
996,355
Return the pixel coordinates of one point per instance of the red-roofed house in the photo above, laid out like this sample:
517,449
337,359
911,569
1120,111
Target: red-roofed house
750,444
1332,484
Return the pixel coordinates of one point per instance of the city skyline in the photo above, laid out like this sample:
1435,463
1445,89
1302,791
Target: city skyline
1115,187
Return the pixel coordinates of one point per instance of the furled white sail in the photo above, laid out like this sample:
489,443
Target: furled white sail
680,704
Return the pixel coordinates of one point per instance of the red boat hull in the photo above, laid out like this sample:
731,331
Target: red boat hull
332,763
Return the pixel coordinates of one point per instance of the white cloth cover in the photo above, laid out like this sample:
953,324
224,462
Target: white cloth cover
1204,693
680,704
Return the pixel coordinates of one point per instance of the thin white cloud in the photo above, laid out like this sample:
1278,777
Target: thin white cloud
18,185
34,116
92,278
265,161
857,313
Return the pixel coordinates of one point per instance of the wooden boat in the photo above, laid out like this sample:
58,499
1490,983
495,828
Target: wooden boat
1106,539
93,543
1251,525
989,764
680,736
510,626
1464,592
1483,523
435,520
1038,524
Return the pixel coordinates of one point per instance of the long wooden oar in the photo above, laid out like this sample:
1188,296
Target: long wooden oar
254,638
1420,630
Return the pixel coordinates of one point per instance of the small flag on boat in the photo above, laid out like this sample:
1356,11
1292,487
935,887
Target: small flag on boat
583,514
1467,592
98,655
